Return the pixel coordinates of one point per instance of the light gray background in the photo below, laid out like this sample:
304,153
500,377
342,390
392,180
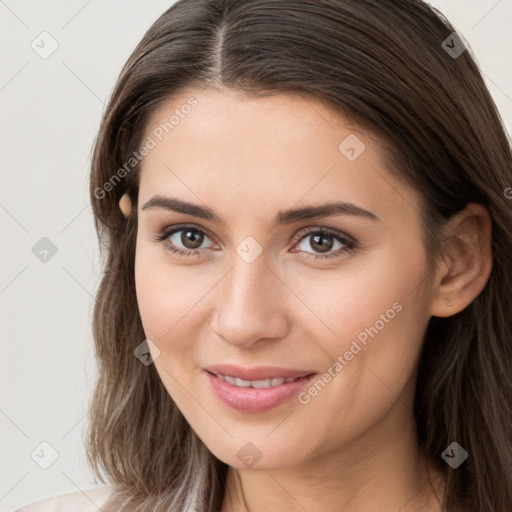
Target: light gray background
51,109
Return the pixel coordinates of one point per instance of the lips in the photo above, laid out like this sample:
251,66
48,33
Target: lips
255,399
257,373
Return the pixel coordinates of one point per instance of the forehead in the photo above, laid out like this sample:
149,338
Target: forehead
274,124
269,151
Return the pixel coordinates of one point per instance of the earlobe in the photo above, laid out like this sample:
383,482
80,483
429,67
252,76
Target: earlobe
125,205
467,261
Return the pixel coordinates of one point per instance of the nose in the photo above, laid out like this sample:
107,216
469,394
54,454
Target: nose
251,305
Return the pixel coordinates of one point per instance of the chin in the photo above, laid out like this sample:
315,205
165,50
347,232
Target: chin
260,456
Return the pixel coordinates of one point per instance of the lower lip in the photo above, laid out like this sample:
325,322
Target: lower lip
249,399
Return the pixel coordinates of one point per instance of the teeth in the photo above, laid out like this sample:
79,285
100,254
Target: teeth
266,383
243,383
231,380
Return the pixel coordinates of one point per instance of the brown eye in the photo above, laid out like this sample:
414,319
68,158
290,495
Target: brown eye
183,240
322,241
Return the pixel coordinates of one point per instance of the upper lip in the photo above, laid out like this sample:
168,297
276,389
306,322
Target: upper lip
257,373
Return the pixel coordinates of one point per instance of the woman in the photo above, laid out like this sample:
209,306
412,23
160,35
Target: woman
305,302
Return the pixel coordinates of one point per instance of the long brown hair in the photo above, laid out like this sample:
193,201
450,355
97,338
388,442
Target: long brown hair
394,68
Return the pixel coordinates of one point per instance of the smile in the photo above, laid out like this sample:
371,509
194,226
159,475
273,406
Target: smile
255,395
265,383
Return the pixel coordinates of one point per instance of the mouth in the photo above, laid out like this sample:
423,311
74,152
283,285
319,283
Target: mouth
256,395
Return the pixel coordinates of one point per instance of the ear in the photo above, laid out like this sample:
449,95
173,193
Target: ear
125,204
467,261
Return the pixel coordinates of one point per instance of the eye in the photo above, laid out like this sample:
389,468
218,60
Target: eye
189,236
323,240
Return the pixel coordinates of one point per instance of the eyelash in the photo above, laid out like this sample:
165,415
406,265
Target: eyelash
349,244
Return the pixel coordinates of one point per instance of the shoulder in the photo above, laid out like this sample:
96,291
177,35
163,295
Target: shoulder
86,501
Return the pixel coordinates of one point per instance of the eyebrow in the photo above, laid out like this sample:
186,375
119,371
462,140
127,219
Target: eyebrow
283,216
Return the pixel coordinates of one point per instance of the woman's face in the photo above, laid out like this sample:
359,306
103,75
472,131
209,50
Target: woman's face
257,289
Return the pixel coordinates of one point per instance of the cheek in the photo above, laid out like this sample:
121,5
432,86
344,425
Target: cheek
169,297
156,293
373,315
344,302
166,302
378,319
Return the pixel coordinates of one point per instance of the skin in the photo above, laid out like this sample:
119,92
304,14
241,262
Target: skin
353,447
